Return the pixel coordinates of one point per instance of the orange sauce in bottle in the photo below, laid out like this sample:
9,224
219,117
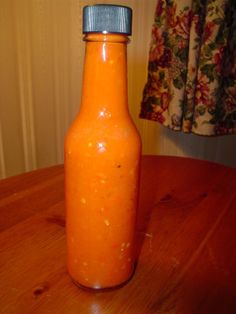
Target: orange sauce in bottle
102,160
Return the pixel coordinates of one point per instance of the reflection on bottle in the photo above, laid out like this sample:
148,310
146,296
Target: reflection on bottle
104,114
101,147
104,52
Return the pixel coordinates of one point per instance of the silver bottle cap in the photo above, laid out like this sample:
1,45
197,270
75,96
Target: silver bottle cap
103,18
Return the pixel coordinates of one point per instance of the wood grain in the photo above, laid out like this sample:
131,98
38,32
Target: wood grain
186,244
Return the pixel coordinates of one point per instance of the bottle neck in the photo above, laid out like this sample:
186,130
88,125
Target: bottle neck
104,90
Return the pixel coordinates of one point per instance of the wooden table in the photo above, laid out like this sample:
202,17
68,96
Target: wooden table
186,240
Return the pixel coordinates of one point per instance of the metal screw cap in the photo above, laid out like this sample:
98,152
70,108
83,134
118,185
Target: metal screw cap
103,18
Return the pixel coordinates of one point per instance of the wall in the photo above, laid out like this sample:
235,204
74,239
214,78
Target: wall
41,60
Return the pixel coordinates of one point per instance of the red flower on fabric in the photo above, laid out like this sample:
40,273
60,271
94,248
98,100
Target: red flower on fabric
208,30
183,23
170,15
153,85
164,100
159,9
217,59
202,91
229,104
157,116
157,46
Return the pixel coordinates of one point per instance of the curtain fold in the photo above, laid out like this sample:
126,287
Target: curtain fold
191,85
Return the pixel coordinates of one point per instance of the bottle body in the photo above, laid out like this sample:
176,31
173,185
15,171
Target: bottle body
102,160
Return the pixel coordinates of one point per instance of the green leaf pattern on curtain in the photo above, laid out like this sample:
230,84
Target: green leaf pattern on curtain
191,84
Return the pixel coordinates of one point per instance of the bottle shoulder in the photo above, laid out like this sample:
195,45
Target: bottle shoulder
122,126
116,132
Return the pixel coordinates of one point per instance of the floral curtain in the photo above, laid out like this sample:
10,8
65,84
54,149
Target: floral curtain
191,84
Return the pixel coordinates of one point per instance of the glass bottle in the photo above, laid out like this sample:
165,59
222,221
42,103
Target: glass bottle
102,158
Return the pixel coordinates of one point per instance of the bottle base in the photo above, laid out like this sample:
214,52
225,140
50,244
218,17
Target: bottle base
104,289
